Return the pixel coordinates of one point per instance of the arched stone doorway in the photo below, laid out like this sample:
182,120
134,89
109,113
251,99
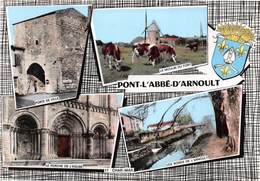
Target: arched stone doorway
26,138
100,141
67,138
36,78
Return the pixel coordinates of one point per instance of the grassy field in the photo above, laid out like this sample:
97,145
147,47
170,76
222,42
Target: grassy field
143,67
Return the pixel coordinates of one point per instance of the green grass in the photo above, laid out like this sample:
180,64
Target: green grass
143,67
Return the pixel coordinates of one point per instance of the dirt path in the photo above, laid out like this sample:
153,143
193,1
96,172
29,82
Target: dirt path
215,147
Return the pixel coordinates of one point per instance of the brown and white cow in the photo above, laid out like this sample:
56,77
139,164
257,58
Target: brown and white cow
168,51
112,55
193,46
146,49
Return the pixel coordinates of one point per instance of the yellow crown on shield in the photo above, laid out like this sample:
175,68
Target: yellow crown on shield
237,32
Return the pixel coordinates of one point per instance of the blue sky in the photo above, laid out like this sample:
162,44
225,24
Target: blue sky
198,108
20,13
120,98
123,25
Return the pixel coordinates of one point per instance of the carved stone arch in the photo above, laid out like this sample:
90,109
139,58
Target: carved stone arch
100,138
25,135
70,119
20,114
68,134
99,125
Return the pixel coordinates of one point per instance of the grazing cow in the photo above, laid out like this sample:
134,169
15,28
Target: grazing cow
140,50
169,51
146,49
153,54
193,46
112,54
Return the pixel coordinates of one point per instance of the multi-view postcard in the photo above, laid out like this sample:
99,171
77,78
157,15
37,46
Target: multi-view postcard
145,41
75,134
184,130
46,45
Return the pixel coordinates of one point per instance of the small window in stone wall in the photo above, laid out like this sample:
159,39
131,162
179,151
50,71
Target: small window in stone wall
36,42
17,59
15,81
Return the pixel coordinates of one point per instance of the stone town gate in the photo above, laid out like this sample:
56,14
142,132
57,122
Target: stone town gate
48,51
36,78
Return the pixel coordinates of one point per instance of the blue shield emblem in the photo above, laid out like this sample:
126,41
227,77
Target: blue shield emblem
229,58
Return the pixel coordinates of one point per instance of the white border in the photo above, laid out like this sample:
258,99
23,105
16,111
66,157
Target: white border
161,73
11,57
61,168
209,159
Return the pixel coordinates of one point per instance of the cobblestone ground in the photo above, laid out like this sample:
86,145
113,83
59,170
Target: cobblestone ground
31,100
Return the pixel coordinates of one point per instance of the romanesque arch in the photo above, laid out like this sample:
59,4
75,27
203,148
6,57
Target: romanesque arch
67,138
25,137
36,78
100,138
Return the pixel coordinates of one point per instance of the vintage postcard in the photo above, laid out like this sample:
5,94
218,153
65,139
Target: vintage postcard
75,134
46,45
145,41
184,130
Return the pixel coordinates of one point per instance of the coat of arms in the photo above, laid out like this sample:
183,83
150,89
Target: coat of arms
232,49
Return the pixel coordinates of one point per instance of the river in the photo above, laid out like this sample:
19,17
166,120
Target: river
168,159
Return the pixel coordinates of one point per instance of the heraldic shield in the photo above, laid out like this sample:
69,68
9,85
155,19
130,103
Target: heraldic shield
229,58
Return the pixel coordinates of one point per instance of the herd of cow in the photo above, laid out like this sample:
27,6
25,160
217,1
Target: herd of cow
112,54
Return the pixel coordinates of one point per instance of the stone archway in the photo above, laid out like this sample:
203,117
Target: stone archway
100,141
26,138
67,138
36,78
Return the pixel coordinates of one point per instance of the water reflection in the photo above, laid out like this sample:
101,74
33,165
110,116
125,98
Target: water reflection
168,159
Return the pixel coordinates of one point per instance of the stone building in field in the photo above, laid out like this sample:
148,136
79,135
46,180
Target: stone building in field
153,32
131,124
78,129
48,51
153,35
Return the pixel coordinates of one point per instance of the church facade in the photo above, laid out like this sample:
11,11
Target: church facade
78,129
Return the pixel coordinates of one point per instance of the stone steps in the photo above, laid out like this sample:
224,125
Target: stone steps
88,162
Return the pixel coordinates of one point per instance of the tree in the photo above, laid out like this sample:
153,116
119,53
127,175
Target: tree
141,111
227,110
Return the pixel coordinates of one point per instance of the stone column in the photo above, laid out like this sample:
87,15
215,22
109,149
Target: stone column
71,146
13,143
39,143
7,151
51,145
31,132
91,146
73,140
35,143
44,144
77,146
83,146
11,131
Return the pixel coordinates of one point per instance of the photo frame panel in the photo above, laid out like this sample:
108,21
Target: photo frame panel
155,46
156,133
46,65
78,134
